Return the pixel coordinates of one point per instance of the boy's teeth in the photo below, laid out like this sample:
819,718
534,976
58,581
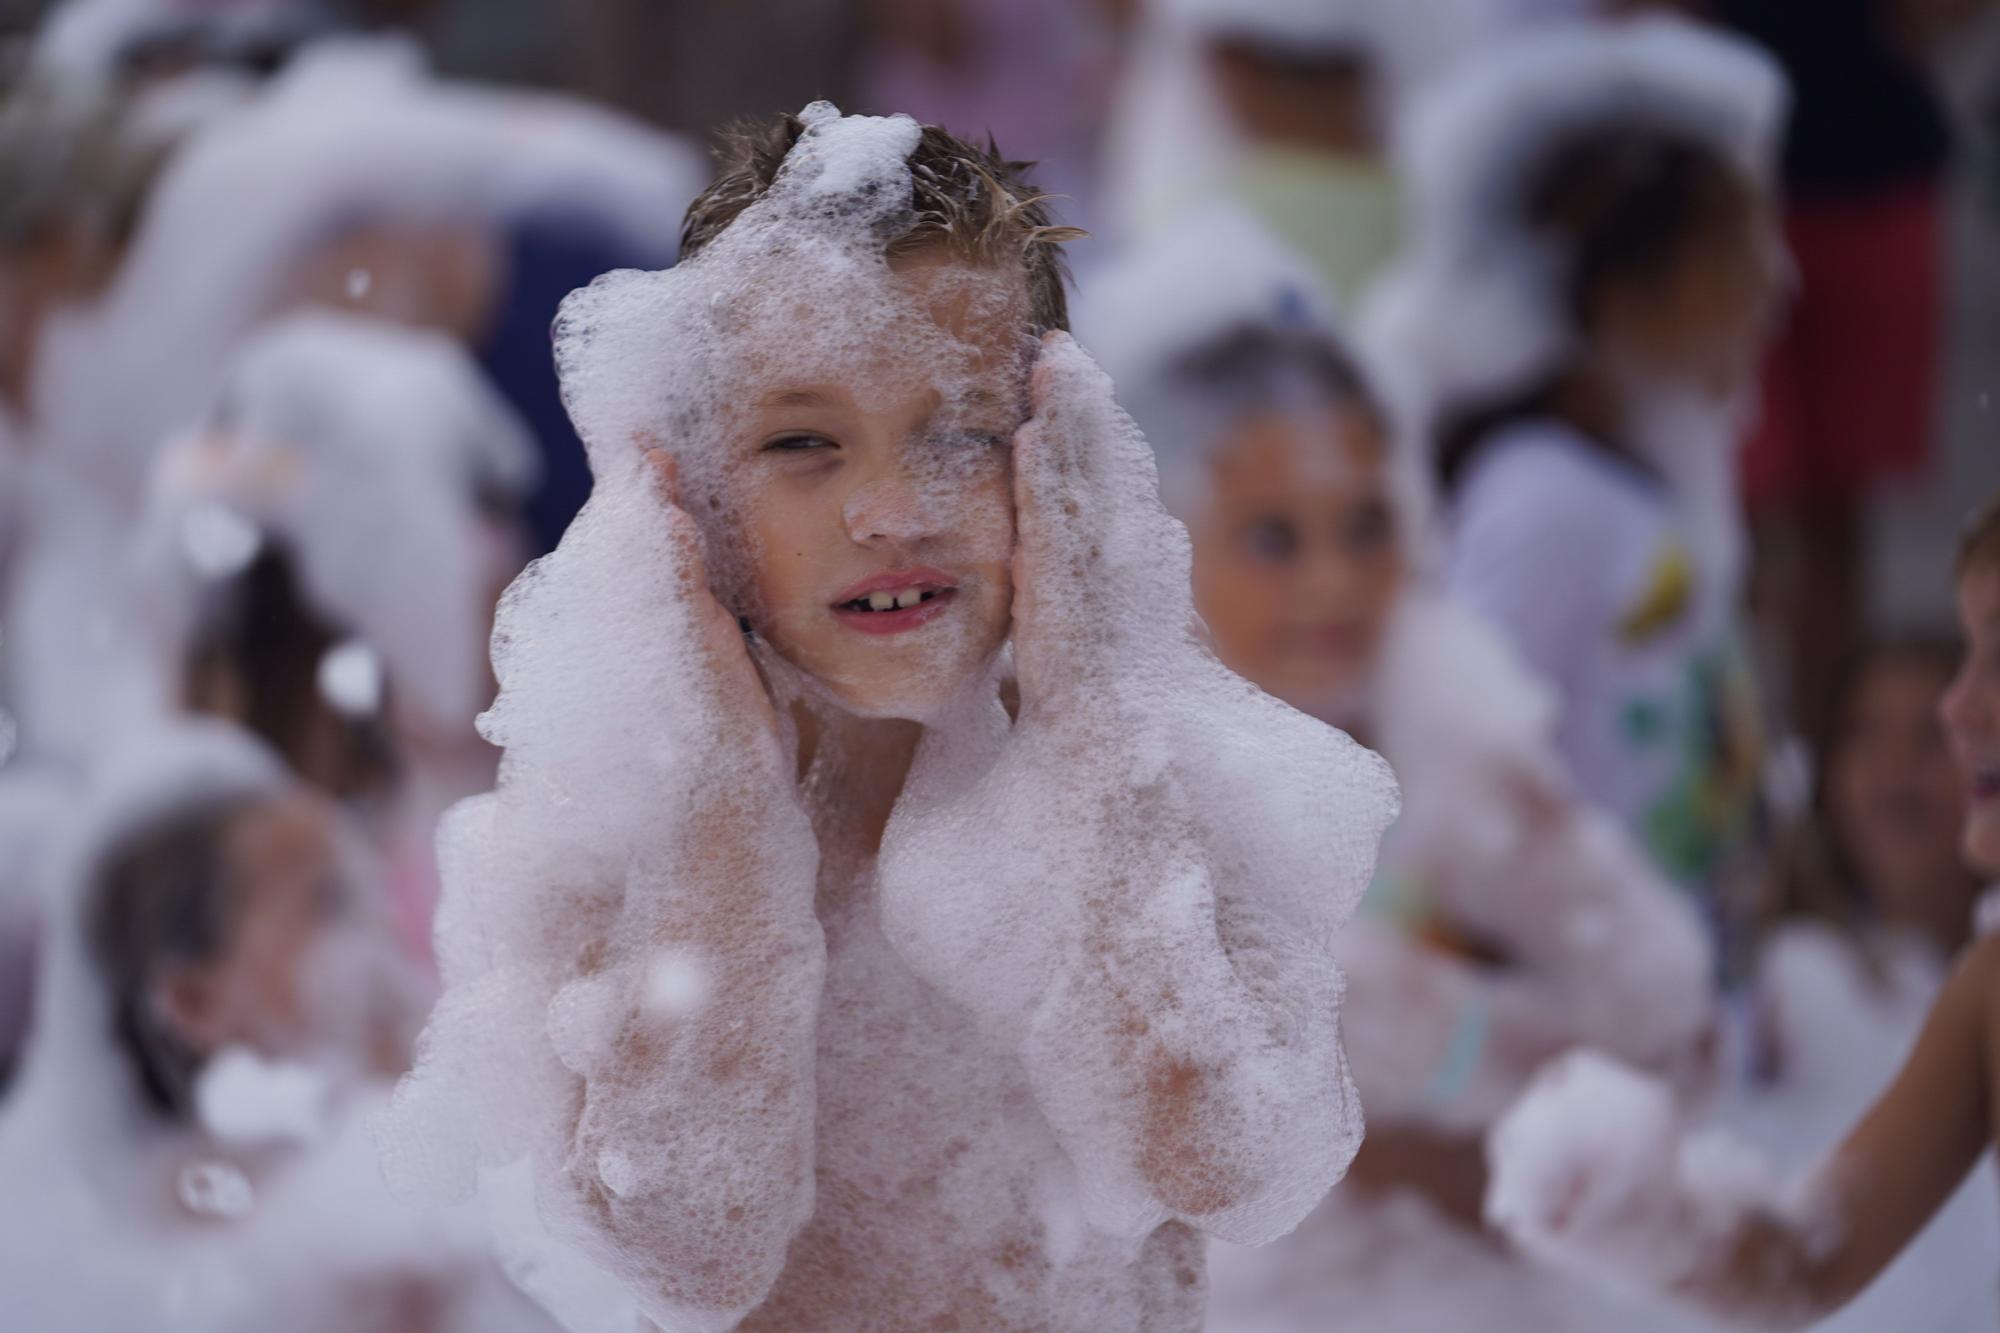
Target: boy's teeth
893,601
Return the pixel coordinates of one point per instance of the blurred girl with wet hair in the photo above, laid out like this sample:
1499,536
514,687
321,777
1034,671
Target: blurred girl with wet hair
1593,269
1275,451
326,551
222,1002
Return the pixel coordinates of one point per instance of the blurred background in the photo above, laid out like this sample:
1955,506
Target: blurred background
279,420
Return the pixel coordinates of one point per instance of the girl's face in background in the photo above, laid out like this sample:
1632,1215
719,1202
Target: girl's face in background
1894,791
1972,713
282,857
1702,322
1297,556
878,514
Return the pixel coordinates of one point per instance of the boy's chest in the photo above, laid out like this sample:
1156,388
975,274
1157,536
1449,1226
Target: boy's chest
939,1180
906,1076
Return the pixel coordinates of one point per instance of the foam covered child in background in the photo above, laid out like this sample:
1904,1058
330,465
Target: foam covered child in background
352,179
218,1006
954,947
1593,1170
1508,921
1285,107
70,179
1592,269
321,557
69,187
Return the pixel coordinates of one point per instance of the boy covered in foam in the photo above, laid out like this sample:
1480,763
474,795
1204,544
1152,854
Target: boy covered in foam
889,915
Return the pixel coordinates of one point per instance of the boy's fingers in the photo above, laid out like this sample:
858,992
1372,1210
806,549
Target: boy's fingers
1053,474
690,567
1052,394
735,676
690,564
666,473
716,629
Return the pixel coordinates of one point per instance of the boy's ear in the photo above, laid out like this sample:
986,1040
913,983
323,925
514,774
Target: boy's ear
187,1001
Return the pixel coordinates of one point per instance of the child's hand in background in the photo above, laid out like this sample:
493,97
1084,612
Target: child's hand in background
1593,1169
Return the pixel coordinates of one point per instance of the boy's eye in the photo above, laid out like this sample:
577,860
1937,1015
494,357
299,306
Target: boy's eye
1272,540
798,444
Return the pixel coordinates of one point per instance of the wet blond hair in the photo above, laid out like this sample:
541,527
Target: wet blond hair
969,200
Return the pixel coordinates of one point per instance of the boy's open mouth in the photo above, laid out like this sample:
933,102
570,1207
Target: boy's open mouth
895,601
1984,784
901,599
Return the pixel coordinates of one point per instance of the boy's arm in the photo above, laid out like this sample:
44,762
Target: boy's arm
1188,1049
1692,1228
632,957
691,1150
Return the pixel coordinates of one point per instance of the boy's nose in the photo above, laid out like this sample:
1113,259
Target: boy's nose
888,509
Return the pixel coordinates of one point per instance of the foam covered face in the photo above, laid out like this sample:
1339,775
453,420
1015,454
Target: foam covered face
1972,714
871,494
1297,557
840,419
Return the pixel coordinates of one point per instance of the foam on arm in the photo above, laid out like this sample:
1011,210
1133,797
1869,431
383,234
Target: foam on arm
631,958
1137,880
1591,1171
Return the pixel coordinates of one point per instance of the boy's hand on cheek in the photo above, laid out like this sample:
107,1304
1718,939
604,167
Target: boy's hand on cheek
1144,863
737,689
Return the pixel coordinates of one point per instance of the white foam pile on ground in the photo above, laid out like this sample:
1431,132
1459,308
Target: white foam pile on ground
1593,1171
